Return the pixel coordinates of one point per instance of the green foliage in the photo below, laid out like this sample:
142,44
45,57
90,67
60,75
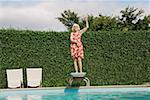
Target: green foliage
110,57
68,18
143,24
104,23
130,19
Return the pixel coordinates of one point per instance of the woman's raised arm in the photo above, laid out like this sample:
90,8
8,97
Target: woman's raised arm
87,26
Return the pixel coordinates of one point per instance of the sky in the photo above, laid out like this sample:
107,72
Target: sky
42,14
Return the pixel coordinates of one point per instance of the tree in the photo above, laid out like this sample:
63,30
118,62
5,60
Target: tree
143,24
104,23
68,18
129,17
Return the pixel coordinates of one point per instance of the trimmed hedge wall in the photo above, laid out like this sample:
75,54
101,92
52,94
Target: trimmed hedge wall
110,57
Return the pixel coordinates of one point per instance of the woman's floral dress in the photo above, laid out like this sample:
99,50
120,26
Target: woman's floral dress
76,45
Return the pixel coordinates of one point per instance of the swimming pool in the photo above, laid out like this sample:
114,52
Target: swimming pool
96,93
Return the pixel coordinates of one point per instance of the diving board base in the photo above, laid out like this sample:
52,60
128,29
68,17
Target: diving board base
79,77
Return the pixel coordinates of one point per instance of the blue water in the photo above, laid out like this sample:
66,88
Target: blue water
78,94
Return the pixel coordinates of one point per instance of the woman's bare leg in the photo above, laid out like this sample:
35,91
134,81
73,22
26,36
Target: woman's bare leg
75,65
80,64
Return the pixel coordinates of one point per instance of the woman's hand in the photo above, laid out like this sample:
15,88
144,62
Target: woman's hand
86,18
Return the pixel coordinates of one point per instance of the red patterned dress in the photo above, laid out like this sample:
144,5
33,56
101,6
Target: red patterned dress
76,45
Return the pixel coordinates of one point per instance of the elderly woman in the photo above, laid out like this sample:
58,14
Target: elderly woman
76,45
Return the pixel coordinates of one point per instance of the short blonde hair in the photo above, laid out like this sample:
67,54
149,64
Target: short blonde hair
75,25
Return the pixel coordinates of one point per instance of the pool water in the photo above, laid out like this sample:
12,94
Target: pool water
77,94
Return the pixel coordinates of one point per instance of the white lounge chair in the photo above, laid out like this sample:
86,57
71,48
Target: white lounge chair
34,77
14,78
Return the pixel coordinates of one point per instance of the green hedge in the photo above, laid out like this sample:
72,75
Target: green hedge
110,57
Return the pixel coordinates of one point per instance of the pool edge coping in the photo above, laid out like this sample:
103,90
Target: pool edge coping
80,87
